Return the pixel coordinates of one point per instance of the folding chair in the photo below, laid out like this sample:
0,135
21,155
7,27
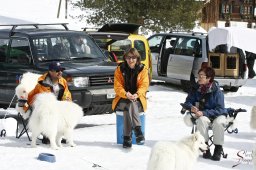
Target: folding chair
232,113
10,112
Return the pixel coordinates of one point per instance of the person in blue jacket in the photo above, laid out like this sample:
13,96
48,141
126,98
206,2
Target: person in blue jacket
206,102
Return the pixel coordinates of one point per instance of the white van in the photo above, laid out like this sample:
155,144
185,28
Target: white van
177,57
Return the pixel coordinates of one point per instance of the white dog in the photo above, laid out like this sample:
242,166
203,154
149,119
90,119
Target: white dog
27,83
177,156
253,118
54,119
29,80
253,126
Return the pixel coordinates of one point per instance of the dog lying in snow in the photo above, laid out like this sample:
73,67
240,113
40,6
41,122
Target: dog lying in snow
177,156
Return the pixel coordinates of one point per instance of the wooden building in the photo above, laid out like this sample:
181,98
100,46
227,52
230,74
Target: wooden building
228,13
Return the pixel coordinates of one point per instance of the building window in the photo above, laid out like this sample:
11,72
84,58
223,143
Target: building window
246,10
247,1
226,9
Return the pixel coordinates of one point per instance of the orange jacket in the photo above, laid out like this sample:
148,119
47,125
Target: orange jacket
41,88
142,87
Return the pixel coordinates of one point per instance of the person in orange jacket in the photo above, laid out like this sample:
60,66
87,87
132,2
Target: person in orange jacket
131,83
53,82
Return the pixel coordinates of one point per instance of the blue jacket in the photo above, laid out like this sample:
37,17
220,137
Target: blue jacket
212,101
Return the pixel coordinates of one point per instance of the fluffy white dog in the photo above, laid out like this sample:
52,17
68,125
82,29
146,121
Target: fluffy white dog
55,119
29,80
253,118
253,126
177,156
27,83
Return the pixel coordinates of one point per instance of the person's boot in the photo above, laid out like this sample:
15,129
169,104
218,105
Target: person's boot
45,140
127,142
207,154
218,150
140,140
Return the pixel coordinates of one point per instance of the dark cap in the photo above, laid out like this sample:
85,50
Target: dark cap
56,66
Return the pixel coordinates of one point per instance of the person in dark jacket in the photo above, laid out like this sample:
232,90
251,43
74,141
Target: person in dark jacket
131,83
206,102
250,58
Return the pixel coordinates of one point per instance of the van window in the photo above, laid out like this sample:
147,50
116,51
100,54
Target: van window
3,49
140,46
154,43
189,47
119,48
20,51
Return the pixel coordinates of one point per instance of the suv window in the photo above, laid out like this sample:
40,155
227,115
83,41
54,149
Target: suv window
64,48
20,51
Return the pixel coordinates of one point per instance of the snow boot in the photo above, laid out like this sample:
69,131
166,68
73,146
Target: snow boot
207,154
218,151
140,140
127,142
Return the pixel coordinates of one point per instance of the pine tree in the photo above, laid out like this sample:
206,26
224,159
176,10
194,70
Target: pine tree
157,15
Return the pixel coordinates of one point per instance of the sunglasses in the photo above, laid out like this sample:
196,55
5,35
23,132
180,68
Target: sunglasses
130,57
57,71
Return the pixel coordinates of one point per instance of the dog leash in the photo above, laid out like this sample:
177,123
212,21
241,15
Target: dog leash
9,106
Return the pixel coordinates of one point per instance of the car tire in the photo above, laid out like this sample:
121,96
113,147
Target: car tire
231,89
234,89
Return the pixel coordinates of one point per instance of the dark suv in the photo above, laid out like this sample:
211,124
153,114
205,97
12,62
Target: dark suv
31,47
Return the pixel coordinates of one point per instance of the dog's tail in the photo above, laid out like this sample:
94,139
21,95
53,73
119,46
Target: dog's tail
253,118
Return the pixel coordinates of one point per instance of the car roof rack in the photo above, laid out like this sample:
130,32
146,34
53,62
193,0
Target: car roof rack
198,33
90,29
36,25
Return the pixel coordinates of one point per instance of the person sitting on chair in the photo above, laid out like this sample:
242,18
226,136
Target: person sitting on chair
53,82
206,102
131,84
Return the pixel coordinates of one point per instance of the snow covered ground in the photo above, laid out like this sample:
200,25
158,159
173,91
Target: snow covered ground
96,138
96,135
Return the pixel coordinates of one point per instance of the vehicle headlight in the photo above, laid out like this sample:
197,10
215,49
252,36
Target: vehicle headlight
81,81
